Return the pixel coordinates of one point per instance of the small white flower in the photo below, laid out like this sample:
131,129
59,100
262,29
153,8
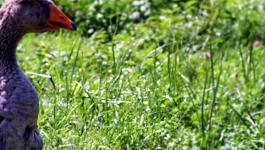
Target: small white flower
99,16
189,25
90,31
138,3
143,8
218,34
147,13
205,14
135,15
189,16
162,17
260,8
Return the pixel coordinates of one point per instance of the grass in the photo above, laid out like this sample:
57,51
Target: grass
171,82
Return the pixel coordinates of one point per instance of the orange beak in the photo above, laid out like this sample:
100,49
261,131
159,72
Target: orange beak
58,19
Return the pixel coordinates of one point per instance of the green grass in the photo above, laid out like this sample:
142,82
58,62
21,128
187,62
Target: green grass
172,82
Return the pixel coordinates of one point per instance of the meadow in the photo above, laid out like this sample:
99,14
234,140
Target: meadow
139,74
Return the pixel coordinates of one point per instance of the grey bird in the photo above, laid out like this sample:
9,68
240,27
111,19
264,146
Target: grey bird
18,98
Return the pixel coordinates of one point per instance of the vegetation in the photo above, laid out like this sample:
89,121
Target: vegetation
189,75
111,15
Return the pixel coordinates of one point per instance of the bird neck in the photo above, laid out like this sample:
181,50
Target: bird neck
9,39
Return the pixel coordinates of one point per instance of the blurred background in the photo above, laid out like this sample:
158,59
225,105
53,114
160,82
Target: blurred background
229,19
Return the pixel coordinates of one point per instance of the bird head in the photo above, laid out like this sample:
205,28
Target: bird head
37,15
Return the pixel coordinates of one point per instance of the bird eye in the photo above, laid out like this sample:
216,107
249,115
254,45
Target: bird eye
36,4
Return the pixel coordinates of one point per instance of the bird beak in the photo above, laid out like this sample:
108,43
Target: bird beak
58,19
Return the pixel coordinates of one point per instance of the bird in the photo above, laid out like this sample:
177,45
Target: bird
19,103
